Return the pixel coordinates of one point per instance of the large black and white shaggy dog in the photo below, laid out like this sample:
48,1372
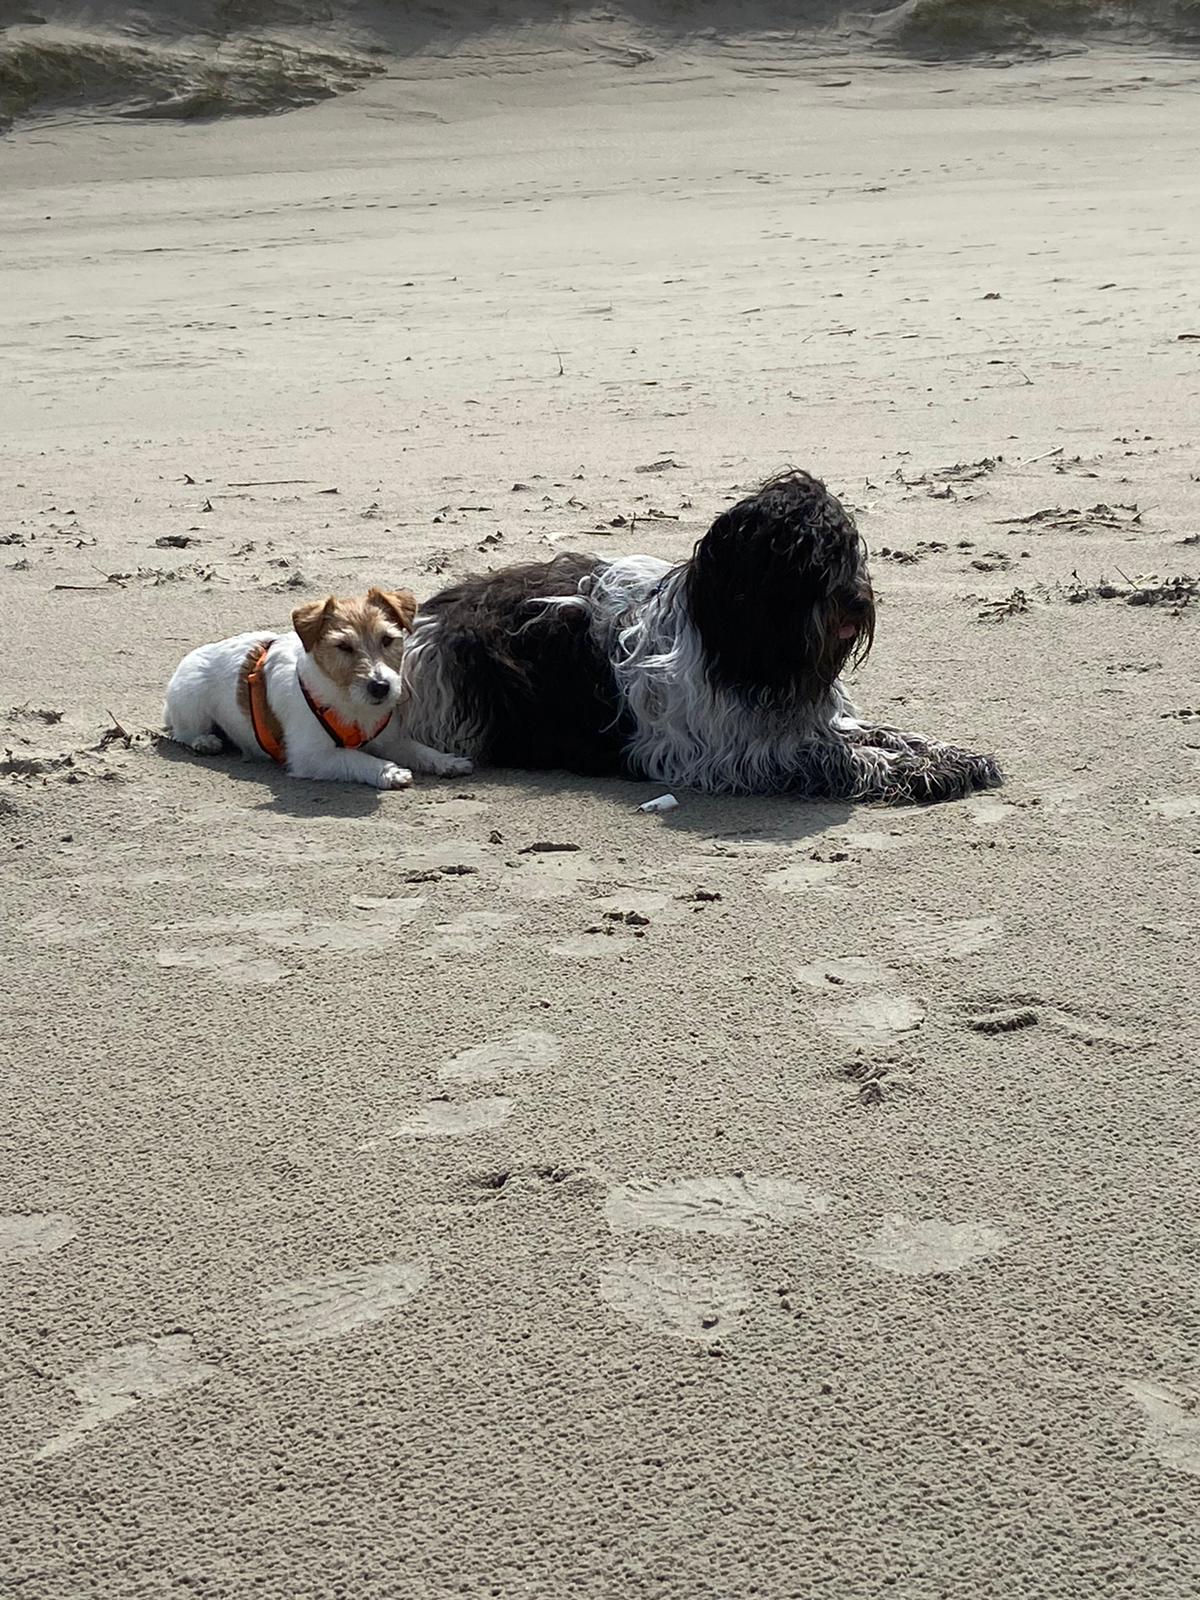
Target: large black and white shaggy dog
719,673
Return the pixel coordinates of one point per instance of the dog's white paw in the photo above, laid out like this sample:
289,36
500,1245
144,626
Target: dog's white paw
393,777
452,766
208,744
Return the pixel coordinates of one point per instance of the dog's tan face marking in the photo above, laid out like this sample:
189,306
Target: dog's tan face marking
359,644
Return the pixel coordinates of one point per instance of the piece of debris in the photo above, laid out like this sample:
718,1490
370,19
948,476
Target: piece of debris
1175,593
432,874
1027,461
46,714
968,471
1071,519
543,847
175,541
664,802
114,733
13,765
1009,605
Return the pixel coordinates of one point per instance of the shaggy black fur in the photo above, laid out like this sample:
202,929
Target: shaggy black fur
770,586
531,676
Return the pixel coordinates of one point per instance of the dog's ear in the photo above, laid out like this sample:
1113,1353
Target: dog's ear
310,621
400,604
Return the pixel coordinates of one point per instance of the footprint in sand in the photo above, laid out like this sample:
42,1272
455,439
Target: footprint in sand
873,840
1172,1422
1088,1030
336,1303
23,1237
55,928
471,934
933,938
874,1019
553,875
986,811
875,1015
151,878
720,1205
457,806
526,1050
1177,808
1006,1013
449,1119
924,1249
587,946
232,963
665,1297
282,850
1002,1019
373,920
861,971
129,1376
800,876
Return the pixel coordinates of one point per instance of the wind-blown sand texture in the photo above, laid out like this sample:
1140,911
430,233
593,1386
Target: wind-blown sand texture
761,1199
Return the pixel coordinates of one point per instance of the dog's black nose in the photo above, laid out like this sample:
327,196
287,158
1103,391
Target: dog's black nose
377,689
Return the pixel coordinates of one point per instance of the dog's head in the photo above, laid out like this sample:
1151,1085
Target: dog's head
359,644
779,592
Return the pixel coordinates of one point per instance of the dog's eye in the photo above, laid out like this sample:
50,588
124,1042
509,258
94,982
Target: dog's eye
388,640
347,648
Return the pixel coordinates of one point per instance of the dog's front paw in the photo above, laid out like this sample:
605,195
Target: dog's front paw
451,766
208,744
393,777
985,772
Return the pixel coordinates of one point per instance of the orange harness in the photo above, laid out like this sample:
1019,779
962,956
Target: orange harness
346,735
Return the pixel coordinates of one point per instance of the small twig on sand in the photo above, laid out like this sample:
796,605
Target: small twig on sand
267,483
561,370
1028,461
111,735
83,588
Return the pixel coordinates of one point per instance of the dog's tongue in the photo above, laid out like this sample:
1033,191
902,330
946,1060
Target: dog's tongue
847,630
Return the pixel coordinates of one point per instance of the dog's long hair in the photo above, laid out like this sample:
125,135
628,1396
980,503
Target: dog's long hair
720,673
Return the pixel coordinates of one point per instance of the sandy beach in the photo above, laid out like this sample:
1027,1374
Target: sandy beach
489,1190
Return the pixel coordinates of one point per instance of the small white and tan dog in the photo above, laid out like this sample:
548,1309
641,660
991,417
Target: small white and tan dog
322,700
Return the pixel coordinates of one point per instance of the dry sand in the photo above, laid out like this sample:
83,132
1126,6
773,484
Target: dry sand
766,1199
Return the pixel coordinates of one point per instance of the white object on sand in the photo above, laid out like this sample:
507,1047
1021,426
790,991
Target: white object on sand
665,802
